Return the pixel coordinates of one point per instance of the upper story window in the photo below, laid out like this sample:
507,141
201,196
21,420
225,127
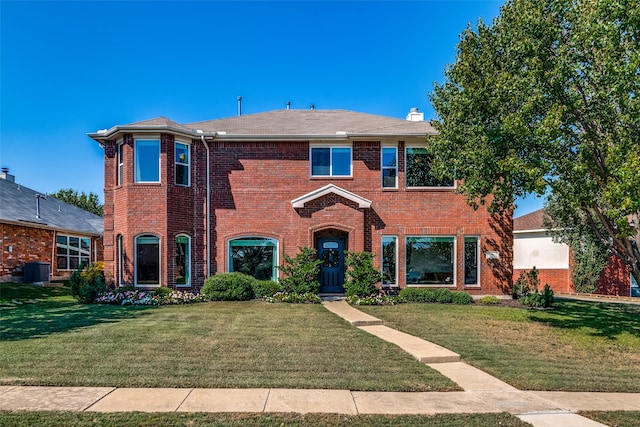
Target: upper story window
331,161
147,160
418,170
182,163
120,160
389,167
72,252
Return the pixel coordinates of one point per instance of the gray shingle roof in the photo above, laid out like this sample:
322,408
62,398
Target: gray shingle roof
313,122
303,124
18,205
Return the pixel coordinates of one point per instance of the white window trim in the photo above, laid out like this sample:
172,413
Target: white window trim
120,163
68,256
395,281
135,264
478,253
382,168
331,147
176,163
454,262
188,284
406,174
120,255
135,160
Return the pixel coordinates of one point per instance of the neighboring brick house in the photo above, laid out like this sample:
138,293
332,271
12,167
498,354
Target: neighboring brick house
185,201
37,228
534,246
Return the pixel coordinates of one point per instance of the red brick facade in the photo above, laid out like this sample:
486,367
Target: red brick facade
251,188
22,244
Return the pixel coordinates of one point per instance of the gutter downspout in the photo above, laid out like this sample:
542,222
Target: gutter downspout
208,219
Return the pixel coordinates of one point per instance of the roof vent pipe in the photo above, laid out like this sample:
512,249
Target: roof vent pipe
288,105
313,107
38,197
239,105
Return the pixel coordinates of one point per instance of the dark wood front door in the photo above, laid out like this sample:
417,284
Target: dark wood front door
331,252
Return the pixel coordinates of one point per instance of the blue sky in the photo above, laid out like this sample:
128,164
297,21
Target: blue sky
68,68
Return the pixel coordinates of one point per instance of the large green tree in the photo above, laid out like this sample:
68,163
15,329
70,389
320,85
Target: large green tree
546,98
89,202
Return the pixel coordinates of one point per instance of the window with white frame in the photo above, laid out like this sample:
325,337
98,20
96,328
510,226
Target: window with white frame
389,257
255,256
183,260
182,164
418,170
331,161
430,260
389,167
120,160
471,260
120,250
72,252
147,160
147,267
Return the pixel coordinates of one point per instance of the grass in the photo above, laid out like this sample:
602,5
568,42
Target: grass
23,292
251,344
614,418
137,419
578,346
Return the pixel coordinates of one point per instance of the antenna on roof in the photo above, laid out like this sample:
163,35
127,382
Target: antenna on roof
239,105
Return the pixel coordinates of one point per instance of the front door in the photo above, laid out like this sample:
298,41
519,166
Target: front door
331,252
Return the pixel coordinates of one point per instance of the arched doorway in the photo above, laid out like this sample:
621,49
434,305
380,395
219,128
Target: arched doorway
331,244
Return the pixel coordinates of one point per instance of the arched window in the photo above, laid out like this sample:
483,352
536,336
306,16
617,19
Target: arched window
183,260
147,268
255,256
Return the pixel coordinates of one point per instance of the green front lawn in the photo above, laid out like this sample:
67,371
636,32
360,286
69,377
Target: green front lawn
137,419
249,344
578,346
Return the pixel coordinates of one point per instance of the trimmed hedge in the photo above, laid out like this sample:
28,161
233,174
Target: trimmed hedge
228,287
439,295
266,288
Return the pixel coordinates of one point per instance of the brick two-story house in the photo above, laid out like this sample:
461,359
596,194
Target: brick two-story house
185,201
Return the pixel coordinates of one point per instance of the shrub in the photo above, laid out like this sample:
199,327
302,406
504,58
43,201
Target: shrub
301,272
414,294
265,288
162,291
88,283
228,287
362,277
527,282
294,298
539,300
461,298
441,295
489,300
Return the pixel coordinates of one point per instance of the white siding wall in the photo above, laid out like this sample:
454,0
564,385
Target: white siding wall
539,250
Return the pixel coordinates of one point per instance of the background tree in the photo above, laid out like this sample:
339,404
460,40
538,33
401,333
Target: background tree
547,98
89,202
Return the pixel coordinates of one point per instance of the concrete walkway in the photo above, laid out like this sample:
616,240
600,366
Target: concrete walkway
482,392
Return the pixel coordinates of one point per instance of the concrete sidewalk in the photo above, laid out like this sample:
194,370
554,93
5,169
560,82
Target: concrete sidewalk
482,392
